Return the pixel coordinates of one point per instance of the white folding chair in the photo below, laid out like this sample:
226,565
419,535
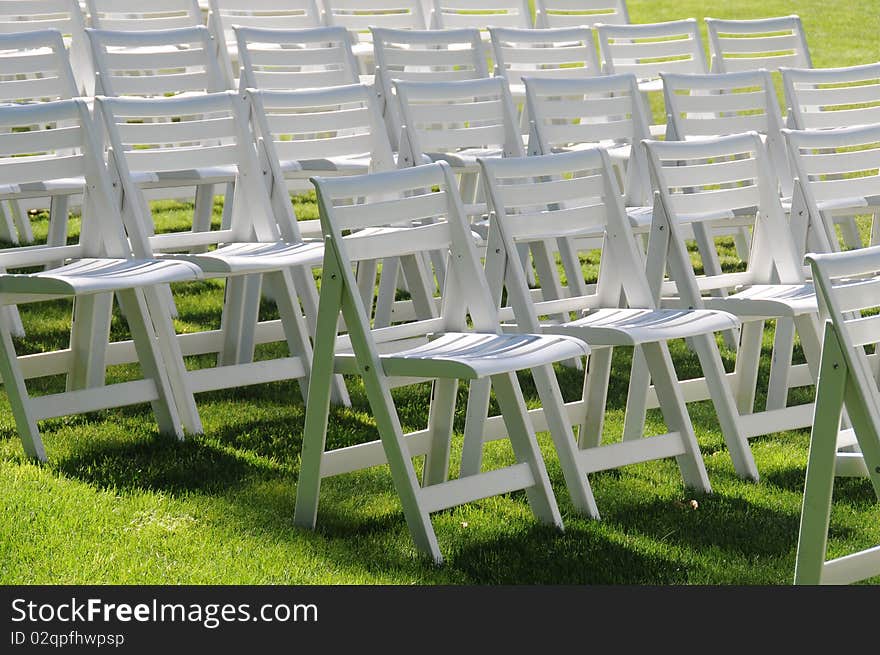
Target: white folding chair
439,349
323,131
607,111
835,170
834,97
716,181
703,105
835,173
847,283
99,266
768,43
573,13
425,56
295,59
559,53
648,49
223,15
358,16
258,249
571,195
820,98
35,68
457,122
158,63
66,16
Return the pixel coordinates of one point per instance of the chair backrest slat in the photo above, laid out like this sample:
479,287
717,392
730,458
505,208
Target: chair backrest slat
399,210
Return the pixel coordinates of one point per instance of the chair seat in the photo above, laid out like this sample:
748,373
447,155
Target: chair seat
242,258
208,174
640,217
768,300
465,158
348,165
87,276
630,327
469,355
61,186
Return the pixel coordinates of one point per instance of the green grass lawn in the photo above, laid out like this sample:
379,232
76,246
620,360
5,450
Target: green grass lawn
117,503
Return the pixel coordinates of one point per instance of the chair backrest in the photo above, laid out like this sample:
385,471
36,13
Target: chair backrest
648,49
819,98
358,16
133,15
312,128
156,63
842,301
273,14
209,131
34,67
605,110
423,55
425,194
443,118
836,168
561,196
556,53
572,13
737,45
714,104
295,59
62,15
480,14
715,182
49,141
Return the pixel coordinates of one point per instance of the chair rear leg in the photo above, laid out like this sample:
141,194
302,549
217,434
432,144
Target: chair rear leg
440,417
134,306
563,439
595,397
721,393
780,364
675,414
525,447
19,400
89,337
